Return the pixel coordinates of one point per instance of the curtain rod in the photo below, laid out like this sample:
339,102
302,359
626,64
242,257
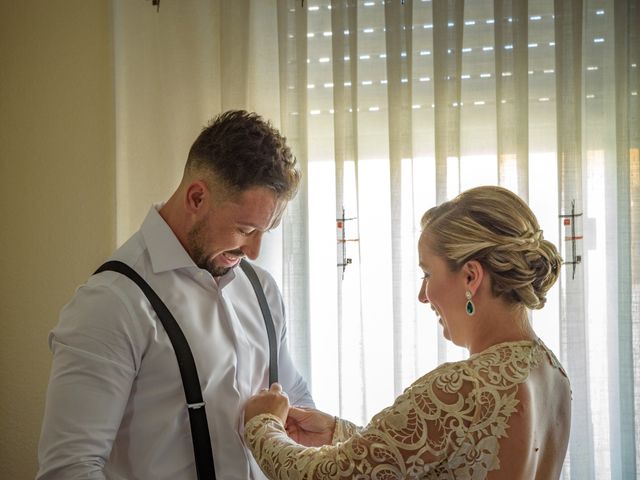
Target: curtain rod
302,2
156,3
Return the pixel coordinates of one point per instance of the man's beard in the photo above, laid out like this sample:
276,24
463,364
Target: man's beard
196,240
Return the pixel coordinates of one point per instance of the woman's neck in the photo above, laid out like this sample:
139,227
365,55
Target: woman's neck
500,325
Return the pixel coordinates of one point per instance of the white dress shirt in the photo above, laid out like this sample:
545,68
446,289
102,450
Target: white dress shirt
115,404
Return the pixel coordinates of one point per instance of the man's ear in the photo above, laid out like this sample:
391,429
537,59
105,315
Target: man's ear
473,274
197,196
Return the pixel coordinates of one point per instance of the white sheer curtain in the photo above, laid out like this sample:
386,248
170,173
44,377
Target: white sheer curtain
395,106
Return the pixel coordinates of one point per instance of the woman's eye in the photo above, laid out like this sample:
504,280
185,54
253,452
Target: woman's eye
245,233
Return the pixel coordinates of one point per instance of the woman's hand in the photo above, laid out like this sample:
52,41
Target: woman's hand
273,401
310,427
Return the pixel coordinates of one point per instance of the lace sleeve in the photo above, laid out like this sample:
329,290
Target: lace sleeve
344,430
422,429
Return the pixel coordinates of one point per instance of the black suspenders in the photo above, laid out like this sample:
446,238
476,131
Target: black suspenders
268,321
197,415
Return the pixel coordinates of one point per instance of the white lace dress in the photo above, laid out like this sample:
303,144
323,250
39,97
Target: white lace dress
447,425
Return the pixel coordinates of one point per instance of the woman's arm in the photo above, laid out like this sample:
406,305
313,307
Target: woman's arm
423,428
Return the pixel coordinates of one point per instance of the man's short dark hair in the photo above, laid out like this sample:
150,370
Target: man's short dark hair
242,150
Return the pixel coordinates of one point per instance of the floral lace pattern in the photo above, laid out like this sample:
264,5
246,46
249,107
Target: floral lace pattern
446,425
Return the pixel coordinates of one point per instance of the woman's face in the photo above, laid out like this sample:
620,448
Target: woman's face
444,290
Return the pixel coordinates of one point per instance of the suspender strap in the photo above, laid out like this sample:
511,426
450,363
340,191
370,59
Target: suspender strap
268,320
191,384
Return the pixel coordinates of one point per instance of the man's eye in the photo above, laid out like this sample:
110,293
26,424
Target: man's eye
245,233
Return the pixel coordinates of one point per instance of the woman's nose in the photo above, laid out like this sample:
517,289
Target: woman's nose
422,294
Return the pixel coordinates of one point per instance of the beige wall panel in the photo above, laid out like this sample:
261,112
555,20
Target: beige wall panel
57,203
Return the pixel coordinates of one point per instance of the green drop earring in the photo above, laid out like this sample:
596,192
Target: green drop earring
470,307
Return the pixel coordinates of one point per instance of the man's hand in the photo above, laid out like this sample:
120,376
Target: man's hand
309,427
273,401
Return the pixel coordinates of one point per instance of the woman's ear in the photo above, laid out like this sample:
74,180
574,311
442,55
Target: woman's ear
473,274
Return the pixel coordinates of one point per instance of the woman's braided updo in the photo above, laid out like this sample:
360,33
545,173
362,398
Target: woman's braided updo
498,229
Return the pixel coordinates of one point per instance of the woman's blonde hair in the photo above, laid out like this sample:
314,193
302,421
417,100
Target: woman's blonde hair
498,229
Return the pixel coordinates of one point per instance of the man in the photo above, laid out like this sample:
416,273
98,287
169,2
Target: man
115,403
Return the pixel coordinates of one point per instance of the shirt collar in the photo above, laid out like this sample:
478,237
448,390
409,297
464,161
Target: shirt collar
165,250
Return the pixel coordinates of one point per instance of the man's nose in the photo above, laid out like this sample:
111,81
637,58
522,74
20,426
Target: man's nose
252,246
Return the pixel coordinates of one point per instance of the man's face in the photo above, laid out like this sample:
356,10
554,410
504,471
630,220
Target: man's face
233,229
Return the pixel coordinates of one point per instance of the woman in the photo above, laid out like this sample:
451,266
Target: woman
504,413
